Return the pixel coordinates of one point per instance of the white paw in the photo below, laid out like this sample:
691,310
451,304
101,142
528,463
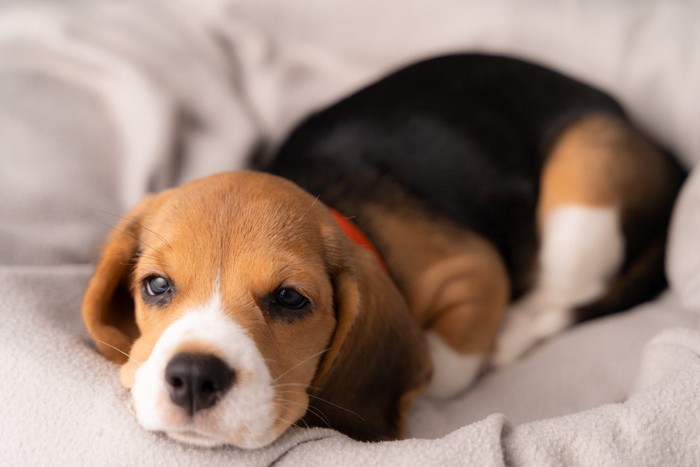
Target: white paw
514,339
452,372
528,322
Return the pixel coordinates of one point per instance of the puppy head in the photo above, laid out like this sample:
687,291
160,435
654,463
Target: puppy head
236,306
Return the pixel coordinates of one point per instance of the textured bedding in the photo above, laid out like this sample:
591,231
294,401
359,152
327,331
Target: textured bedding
102,102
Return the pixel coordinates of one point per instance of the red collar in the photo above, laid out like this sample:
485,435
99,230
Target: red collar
356,235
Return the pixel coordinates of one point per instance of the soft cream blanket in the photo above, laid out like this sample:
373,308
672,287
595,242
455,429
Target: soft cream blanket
101,102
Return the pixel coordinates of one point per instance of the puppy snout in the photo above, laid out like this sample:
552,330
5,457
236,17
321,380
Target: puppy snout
197,381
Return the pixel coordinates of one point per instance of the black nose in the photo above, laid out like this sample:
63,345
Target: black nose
197,381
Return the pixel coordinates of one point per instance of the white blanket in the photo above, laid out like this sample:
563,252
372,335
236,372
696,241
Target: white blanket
103,101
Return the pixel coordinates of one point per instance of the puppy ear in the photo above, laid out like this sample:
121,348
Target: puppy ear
377,359
108,306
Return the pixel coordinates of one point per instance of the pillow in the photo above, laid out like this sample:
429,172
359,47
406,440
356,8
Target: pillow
683,259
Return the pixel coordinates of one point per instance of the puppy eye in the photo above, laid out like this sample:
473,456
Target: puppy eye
286,304
156,285
290,298
157,290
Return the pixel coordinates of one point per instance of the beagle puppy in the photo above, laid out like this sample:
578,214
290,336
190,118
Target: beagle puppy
447,217
238,307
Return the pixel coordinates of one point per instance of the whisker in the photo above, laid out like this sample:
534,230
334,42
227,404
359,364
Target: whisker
305,386
289,391
337,406
126,232
321,416
133,222
300,363
85,334
289,422
310,208
115,348
314,410
283,404
306,424
325,401
134,258
159,236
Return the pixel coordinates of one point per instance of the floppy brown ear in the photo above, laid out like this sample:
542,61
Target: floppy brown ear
377,360
108,307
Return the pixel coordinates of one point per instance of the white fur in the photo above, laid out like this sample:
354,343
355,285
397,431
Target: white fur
246,413
452,371
582,248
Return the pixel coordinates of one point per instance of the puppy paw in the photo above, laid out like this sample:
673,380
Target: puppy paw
453,372
526,324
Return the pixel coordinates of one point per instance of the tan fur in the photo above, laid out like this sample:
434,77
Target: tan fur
252,233
601,161
454,280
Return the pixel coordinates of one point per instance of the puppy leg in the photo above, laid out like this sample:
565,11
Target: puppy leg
600,179
582,248
455,284
461,300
